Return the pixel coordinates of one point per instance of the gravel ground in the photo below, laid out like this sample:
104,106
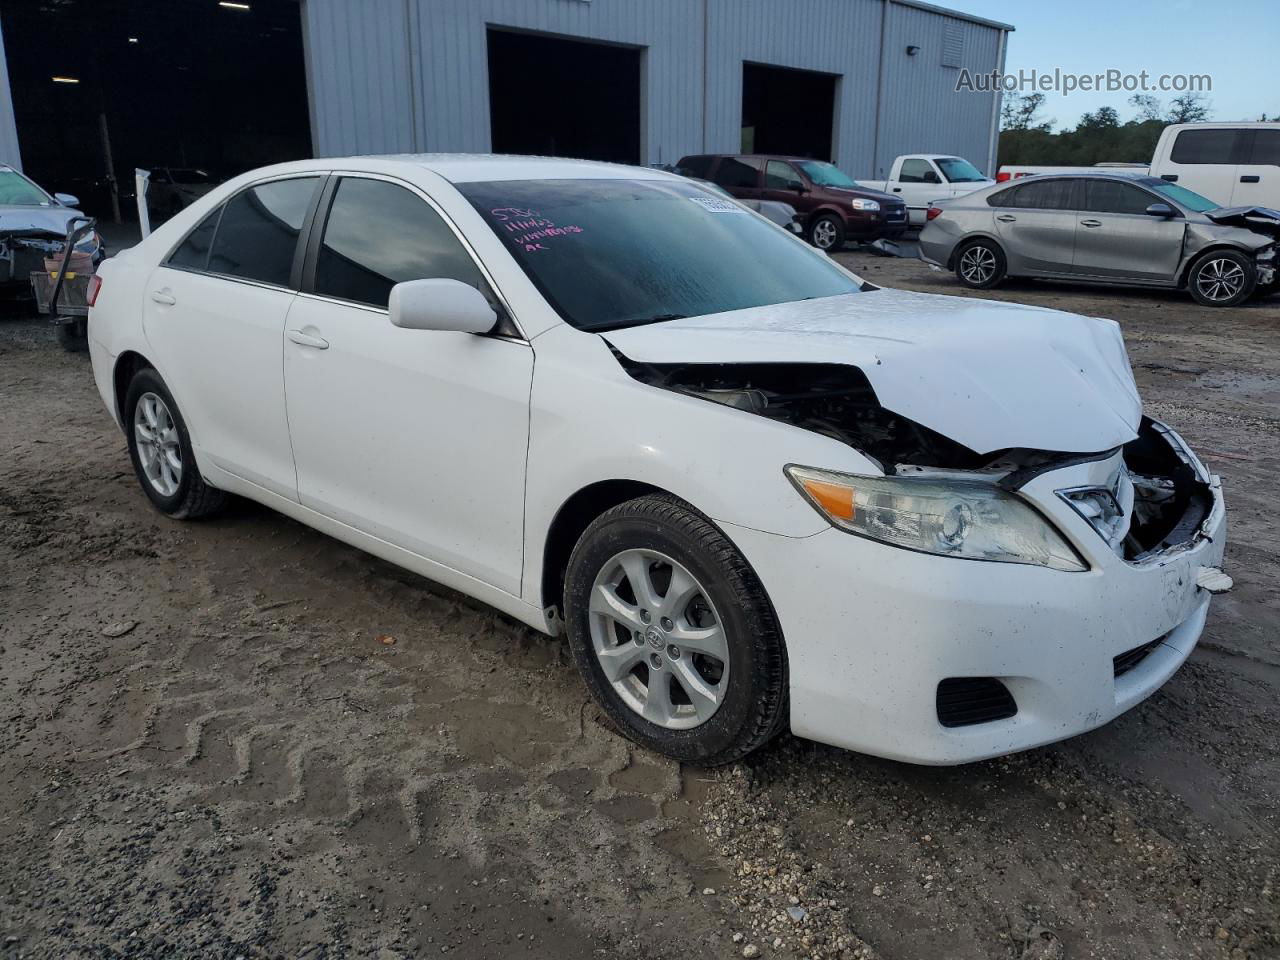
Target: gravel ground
208,750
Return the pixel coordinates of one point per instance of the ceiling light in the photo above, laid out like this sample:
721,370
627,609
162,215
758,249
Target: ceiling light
133,39
66,79
233,6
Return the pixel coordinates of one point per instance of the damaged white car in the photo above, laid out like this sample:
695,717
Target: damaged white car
755,491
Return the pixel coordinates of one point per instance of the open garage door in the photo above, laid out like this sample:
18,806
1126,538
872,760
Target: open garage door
787,111
199,88
564,98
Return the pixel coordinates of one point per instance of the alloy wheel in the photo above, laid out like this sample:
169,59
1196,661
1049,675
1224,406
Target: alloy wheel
978,264
824,234
658,639
1220,279
159,450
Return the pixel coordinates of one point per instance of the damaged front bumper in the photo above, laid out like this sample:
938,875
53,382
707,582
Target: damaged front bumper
938,660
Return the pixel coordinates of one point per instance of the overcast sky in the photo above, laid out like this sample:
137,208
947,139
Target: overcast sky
1237,42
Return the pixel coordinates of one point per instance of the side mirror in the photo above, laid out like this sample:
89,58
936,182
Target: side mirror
67,199
930,177
440,305
1161,210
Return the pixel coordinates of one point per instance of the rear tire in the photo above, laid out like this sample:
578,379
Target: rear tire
160,449
73,336
1222,278
980,264
826,232
701,679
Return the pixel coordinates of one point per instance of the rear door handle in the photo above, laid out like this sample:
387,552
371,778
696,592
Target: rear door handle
1090,223
307,340
1007,218
164,296
1250,178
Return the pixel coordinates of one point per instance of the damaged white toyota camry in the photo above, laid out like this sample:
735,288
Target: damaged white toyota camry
754,490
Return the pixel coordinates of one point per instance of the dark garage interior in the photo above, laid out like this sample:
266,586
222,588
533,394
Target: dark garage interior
193,84
787,111
564,98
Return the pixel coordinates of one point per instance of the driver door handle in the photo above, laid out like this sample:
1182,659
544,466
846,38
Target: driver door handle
1007,218
1090,223
164,296
307,340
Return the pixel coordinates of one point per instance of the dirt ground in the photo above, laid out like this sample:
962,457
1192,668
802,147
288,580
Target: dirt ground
206,751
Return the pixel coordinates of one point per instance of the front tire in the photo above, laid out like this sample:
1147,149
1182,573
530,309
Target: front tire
827,233
980,264
1222,278
160,449
673,633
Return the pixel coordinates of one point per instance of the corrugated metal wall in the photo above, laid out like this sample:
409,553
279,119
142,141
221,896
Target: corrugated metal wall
9,152
403,75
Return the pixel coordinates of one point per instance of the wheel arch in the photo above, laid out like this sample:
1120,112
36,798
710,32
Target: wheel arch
570,522
1185,273
127,365
968,239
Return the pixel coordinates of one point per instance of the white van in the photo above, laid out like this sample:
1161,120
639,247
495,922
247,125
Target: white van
1233,164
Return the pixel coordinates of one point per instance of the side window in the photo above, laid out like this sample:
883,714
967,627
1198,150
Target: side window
1045,195
193,252
1004,198
780,175
736,172
1204,146
697,167
258,232
1111,196
1265,148
379,234
917,171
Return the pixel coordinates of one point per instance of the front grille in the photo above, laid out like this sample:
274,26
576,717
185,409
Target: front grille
964,701
1126,661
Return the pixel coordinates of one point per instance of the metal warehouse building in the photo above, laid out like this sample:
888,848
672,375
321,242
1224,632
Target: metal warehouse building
230,85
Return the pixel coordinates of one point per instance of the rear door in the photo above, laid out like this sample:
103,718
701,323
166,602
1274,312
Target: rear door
417,437
1204,160
1036,223
1117,238
740,176
1258,174
214,316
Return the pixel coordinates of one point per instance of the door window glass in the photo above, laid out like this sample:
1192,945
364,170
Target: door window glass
258,232
917,171
1265,147
1044,195
379,234
1204,146
696,167
193,252
779,175
1111,196
737,172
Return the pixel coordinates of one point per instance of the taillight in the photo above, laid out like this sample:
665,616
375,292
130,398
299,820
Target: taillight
95,285
932,212
1002,176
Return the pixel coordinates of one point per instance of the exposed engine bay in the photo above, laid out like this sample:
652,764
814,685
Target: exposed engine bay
1170,500
22,251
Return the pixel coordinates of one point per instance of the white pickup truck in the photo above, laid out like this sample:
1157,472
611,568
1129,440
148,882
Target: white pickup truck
921,178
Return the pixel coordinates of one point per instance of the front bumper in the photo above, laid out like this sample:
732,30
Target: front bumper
872,630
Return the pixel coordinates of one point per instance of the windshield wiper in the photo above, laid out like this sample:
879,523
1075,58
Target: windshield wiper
632,322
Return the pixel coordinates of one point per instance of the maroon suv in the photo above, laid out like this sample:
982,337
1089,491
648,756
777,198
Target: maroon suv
832,207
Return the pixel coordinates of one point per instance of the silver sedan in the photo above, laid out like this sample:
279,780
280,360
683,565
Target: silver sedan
1112,227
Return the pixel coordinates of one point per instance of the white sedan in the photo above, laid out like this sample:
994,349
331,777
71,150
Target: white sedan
755,491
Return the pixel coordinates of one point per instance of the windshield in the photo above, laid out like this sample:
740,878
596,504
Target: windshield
957,170
17,190
1187,199
609,254
825,174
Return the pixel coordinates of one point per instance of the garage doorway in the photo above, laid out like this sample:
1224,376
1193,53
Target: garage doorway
787,111
563,98
202,90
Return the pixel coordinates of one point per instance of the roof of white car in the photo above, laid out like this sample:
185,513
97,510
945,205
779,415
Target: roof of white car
470,167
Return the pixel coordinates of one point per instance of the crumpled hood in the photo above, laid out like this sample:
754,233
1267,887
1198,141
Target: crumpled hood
53,219
989,375
1262,220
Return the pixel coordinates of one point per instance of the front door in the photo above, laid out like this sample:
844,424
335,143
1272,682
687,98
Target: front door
416,437
1204,160
214,314
782,182
1117,238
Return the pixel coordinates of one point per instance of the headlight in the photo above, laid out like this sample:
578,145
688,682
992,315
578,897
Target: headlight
869,205
950,518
